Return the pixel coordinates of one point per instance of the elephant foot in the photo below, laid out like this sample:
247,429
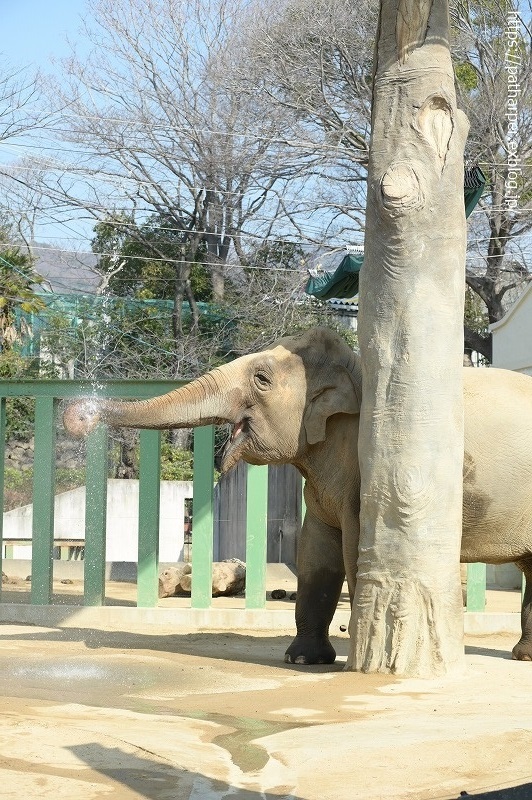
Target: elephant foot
522,651
310,650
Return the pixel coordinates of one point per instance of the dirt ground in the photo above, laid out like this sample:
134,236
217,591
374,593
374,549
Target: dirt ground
124,593
204,716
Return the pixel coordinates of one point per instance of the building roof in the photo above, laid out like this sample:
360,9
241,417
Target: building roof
495,326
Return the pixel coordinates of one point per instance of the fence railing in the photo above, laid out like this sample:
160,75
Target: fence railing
48,396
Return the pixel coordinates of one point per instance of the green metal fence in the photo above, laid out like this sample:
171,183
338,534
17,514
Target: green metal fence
48,396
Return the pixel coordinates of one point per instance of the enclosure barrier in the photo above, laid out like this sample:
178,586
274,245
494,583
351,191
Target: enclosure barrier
48,396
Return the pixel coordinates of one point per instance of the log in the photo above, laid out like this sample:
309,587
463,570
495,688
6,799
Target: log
228,578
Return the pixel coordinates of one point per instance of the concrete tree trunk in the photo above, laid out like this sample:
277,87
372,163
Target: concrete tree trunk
407,614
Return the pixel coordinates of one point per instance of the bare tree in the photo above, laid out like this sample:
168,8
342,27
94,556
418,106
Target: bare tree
23,114
20,92
155,126
313,58
494,69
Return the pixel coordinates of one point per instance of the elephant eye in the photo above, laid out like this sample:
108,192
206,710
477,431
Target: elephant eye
262,380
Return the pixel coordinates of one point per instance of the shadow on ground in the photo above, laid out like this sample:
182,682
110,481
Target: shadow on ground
521,792
264,650
488,651
153,778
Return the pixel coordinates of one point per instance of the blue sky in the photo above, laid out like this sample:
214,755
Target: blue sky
35,30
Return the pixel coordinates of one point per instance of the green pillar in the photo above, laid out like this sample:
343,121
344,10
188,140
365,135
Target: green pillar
2,461
202,517
43,501
256,536
96,517
149,513
476,587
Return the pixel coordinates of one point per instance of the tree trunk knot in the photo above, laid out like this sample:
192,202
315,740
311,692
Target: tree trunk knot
400,188
435,123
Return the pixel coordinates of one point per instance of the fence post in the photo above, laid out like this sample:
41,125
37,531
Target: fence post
96,516
202,517
149,513
256,536
476,587
2,466
43,501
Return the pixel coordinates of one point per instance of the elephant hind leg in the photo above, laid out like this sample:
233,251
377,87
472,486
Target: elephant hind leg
523,649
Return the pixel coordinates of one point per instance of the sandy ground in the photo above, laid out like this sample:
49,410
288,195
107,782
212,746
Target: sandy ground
204,716
124,593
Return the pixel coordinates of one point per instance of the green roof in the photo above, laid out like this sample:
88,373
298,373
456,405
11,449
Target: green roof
343,282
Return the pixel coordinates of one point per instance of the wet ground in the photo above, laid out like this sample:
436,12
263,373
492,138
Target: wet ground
204,716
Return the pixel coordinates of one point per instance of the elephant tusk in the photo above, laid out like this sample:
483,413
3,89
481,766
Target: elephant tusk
237,429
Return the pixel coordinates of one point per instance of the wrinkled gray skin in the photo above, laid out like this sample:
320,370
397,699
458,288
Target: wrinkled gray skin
298,402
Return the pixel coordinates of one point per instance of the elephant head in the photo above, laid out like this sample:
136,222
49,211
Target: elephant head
277,400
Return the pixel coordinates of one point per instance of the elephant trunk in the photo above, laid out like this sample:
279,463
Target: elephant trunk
215,398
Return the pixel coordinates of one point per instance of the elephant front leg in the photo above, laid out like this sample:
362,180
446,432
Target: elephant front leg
320,576
523,649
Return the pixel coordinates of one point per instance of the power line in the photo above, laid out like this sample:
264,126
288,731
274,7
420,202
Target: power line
303,144
226,265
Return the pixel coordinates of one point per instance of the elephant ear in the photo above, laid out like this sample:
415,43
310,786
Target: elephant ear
335,395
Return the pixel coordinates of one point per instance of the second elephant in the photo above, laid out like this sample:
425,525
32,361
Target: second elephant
298,402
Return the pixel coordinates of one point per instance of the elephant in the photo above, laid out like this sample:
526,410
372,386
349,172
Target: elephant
298,402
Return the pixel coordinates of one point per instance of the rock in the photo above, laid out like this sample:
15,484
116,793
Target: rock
5,578
293,596
69,581
278,594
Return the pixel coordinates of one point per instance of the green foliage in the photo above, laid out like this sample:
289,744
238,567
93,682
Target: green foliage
149,256
17,279
109,337
475,312
18,301
466,76
176,465
18,484
119,241
18,487
350,336
279,254
19,410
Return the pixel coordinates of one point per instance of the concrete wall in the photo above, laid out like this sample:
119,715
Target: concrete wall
512,336
122,520
512,349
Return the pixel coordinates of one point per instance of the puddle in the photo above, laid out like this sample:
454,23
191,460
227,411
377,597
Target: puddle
80,679
148,685
245,755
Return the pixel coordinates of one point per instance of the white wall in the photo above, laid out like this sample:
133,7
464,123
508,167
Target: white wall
512,336
122,520
512,349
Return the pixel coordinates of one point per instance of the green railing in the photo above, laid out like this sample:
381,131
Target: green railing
48,396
